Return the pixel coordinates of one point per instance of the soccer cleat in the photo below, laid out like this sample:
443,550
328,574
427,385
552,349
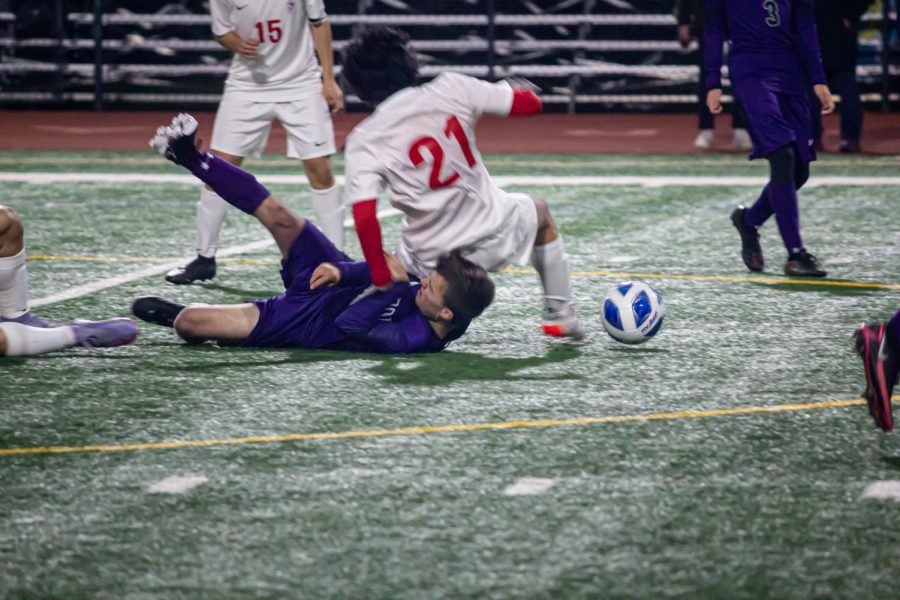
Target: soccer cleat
751,251
882,366
177,142
704,139
199,269
741,140
849,146
30,319
158,311
563,325
104,334
803,264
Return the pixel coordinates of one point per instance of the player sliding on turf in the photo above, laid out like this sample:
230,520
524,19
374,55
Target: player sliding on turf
322,305
879,346
420,145
23,333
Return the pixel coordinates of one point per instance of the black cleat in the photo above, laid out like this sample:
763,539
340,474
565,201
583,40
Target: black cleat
158,311
751,251
199,269
882,367
803,264
177,142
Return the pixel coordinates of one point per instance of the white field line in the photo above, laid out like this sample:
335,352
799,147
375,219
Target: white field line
176,484
529,486
503,180
102,284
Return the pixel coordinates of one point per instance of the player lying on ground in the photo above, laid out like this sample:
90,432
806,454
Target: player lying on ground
420,145
25,334
324,304
774,59
879,346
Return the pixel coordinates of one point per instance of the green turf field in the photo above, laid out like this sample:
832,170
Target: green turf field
727,458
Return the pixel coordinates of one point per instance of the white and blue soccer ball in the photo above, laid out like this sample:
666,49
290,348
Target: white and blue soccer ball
632,312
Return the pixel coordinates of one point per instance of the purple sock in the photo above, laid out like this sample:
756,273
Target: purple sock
235,185
761,210
783,198
893,329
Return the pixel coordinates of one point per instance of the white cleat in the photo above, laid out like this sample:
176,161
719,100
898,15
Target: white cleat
704,139
563,324
741,140
176,141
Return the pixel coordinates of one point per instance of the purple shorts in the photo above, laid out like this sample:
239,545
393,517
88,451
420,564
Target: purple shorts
300,317
775,119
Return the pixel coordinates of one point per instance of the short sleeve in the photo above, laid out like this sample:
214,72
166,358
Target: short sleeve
220,11
362,171
482,96
315,10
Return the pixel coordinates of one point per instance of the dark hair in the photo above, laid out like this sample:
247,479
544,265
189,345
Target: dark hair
378,62
469,289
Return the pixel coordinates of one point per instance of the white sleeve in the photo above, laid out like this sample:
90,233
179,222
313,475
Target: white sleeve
315,10
220,11
483,96
362,172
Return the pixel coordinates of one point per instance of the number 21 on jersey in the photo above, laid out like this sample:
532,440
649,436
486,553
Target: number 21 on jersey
452,129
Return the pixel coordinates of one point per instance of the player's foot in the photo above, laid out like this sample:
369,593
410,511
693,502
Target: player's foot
704,139
803,264
176,141
104,334
30,319
741,140
158,311
849,146
199,269
563,324
882,366
751,250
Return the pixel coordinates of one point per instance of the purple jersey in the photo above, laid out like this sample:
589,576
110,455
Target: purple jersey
773,41
334,318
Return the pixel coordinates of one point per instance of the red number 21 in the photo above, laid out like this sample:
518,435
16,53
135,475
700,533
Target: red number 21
453,128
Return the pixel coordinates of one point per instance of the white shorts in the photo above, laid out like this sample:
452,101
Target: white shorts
242,126
511,245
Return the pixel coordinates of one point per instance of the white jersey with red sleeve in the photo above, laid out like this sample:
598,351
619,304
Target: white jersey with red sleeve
419,145
285,68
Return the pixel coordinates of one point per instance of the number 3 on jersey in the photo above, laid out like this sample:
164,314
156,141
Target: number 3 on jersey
454,129
773,17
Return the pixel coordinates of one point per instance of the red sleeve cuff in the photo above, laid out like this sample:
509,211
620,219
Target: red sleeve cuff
369,232
525,103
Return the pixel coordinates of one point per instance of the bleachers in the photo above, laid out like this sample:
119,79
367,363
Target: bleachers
585,55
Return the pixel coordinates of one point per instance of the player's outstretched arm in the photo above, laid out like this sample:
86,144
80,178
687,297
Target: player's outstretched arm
368,230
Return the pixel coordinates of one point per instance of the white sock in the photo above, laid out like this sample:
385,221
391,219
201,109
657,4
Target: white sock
329,210
22,340
13,286
552,264
211,211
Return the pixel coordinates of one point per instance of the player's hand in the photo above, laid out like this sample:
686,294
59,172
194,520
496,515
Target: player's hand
333,96
248,47
398,271
684,35
825,99
325,274
714,100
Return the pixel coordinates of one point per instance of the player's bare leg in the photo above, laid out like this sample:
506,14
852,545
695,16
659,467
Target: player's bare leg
225,323
284,225
326,199
552,264
13,272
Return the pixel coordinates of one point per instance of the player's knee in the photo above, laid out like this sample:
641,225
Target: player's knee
190,323
11,228
782,164
319,173
801,174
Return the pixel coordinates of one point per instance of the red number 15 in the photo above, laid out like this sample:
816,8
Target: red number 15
454,129
274,30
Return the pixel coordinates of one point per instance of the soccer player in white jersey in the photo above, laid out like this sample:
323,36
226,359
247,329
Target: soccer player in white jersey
274,76
420,145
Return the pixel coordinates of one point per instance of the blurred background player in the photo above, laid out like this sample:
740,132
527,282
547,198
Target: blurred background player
774,59
325,304
274,76
689,14
25,334
879,346
837,22
420,144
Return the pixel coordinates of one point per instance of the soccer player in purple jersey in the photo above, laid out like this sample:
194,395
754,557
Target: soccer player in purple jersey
879,346
326,303
774,58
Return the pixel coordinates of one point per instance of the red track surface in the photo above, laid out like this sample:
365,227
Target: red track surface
602,133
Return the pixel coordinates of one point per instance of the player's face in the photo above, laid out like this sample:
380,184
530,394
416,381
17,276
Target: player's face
430,297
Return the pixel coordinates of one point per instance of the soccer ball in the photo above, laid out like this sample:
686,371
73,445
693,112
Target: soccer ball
632,312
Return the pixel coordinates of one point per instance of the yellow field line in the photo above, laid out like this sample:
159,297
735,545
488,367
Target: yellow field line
621,274
427,429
